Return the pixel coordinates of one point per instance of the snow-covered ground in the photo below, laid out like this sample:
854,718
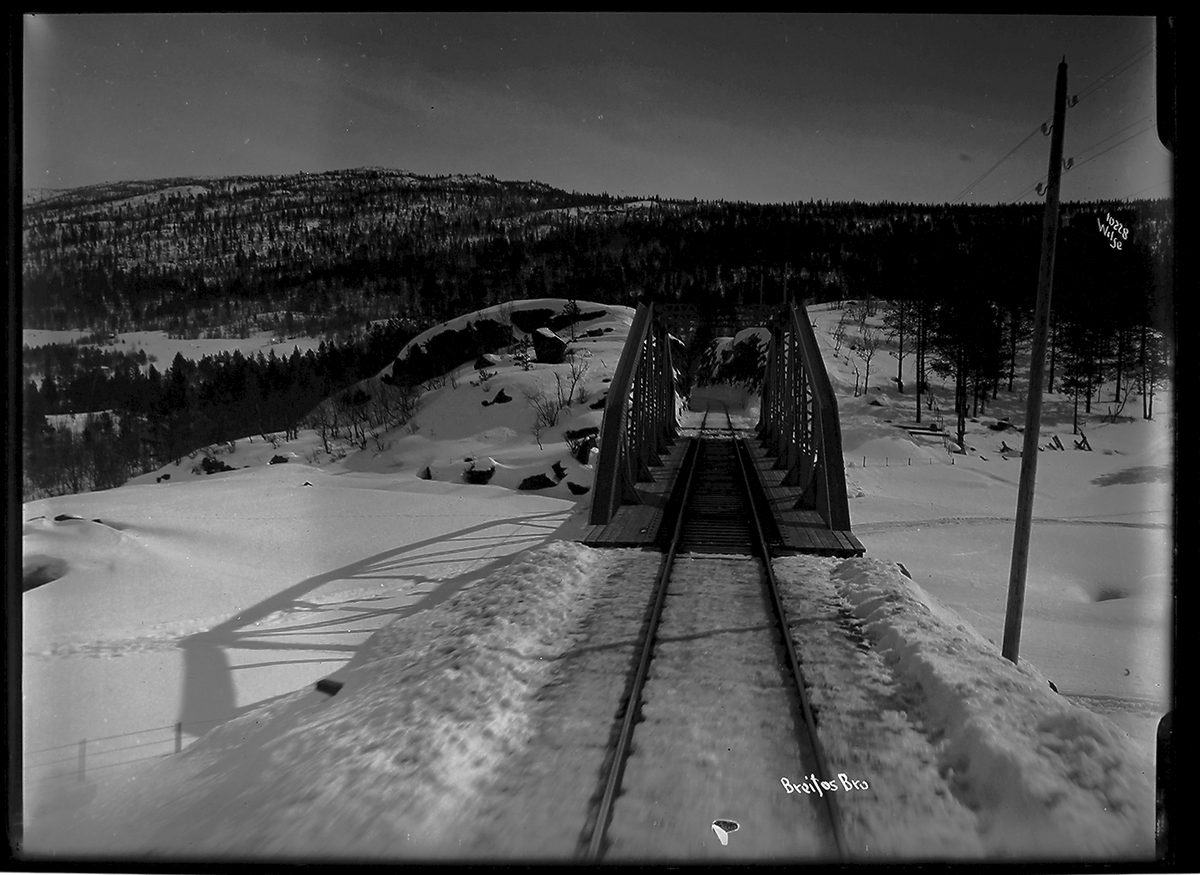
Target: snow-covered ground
218,601
1098,590
967,754
191,597
161,349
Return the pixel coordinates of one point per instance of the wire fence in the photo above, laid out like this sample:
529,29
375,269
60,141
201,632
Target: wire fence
899,461
77,759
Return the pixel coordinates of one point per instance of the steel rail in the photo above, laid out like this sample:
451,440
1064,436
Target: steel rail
810,722
633,708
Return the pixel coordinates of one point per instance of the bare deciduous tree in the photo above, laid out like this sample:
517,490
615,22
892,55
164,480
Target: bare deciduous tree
865,348
545,412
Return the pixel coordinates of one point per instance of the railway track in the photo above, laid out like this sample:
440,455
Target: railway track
716,715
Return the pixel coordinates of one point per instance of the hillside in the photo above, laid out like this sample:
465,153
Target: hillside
235,255
204,253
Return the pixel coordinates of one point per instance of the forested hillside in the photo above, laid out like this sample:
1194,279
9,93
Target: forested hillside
367,258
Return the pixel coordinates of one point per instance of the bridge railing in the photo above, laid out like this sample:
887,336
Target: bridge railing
639,416
799,422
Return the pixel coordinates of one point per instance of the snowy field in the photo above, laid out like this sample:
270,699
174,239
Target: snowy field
1097,603
161,349
218,601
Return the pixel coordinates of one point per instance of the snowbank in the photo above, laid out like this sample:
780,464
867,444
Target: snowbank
503,312
1045,778
427,708
1097,616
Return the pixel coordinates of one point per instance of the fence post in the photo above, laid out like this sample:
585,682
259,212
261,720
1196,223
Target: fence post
82,758
178,736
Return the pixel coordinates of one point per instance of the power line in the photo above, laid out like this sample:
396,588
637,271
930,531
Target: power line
1120,69
1127,64
997,164
1114,145
1144,190
1027,191
1147,116
1078,164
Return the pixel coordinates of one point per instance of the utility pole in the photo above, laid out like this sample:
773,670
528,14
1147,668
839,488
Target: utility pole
1033,408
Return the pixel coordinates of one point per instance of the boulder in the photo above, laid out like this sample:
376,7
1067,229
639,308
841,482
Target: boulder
580,442
212,465
550,348
537,481
329,686
478,476
502,397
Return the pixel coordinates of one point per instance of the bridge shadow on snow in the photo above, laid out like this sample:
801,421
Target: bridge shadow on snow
208,679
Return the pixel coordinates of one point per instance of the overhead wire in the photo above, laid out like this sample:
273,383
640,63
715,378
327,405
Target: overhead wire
1147,116
1077,164
997,164
1119,69
1127,64
1145,130
1140,54
1148,188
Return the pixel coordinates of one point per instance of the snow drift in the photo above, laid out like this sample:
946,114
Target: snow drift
1046,778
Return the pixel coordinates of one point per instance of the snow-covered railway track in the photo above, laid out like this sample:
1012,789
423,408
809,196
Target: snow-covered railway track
718,724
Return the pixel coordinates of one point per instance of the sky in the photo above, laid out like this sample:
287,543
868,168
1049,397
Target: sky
766,108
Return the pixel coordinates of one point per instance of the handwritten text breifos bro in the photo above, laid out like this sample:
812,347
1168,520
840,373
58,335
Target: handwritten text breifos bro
811,785
1114,231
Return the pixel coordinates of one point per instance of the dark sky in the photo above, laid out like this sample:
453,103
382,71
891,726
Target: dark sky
764,107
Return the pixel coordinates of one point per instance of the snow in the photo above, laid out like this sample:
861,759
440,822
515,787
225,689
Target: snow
1044,777
215,595
161,349
219,600
184,192
1097,605
454,430
426,709
716,655
617,318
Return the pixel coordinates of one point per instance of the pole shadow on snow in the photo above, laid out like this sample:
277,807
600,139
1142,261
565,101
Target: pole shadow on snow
208,685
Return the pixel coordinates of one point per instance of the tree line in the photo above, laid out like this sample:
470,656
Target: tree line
136,419
965,312
322,253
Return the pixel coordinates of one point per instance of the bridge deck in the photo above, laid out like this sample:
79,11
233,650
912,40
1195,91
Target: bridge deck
803,531
636,525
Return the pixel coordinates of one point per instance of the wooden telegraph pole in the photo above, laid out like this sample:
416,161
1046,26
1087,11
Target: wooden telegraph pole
1037,367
